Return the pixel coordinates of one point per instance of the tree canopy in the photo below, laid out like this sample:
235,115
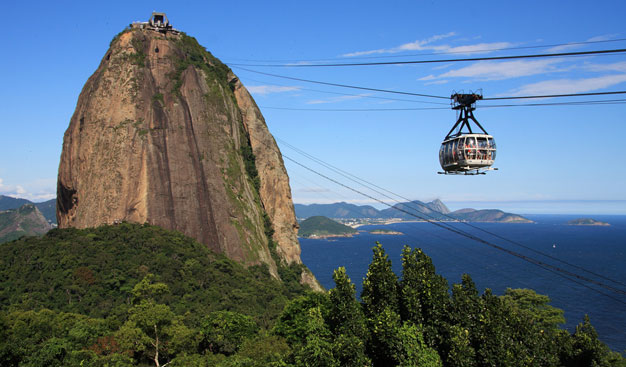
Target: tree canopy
137,295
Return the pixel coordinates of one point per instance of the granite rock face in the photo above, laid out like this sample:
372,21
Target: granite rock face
164,133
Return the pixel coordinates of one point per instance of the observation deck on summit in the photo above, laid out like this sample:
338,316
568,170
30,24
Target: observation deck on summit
158,22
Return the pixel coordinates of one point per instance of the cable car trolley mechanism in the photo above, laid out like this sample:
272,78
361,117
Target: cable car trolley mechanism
466,151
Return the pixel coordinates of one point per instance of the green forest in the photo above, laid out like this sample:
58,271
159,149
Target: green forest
323,226
138,295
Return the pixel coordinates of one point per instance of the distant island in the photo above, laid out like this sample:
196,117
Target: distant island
386,232
323,227
436,210
586,222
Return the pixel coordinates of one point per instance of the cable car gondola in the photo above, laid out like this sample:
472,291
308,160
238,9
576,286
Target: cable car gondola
468,152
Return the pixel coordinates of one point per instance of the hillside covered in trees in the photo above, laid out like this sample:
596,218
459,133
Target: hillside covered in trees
138,295
320,226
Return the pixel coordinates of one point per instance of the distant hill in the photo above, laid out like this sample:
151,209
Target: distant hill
488,215
7,202
336,210
27,220
586,222
47,208
320,226
434,210
345,210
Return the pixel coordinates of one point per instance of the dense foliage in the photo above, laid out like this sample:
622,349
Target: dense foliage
323,226
133,295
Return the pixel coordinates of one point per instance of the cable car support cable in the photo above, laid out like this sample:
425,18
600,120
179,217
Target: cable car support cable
467,59
426,95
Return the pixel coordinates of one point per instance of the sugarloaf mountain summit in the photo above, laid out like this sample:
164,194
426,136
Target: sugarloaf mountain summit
164,133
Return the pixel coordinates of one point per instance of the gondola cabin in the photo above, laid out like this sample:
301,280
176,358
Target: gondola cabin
467,153
464,151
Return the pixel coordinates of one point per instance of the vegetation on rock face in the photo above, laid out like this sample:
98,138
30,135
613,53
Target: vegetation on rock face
322,226
133,295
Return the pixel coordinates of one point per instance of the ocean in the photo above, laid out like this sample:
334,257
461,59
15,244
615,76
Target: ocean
599,249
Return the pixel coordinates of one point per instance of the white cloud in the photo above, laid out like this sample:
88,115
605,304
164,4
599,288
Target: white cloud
491,70
572,46
267,89
436,82
420,45
426,45
562,86
429,77
479,47
618,66
336,99
38,190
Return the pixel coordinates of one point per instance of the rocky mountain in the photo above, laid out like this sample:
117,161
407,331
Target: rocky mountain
336,210
345,210
434,210
488,215
164,133
7,202
27,220
47,208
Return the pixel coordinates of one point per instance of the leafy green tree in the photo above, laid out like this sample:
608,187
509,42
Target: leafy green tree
46,338
534,324
458,351
293,322
266,350
384,344
536,306
345,314
586,350
424,298
316,351
347,322
380,286
394,343
153,332
412,351
225,331
467,306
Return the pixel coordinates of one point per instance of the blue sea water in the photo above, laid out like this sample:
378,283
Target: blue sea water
596,248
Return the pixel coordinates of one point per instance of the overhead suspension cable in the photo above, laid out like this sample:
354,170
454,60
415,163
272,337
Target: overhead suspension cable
573,103
559,271
557,95
437,53
357,95
409,203
344,85
466,59
427,95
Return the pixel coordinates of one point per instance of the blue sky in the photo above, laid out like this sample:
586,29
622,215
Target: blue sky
548,156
